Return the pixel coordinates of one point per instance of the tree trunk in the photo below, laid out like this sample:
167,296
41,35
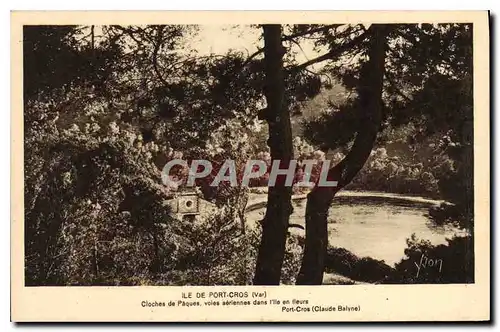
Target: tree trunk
275,223
92,37
320,198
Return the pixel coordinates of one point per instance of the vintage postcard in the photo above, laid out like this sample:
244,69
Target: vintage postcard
250,166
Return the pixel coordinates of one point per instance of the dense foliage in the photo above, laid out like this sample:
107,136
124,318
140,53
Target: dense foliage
446,264
341,261
105,107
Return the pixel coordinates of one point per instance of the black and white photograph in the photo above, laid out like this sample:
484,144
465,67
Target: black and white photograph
201,167
385,111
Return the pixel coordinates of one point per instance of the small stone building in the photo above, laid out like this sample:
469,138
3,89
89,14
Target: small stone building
188,205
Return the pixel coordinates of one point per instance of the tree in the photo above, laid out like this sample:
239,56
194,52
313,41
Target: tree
279,208
139,83
105,137
320,198
395,86
427,84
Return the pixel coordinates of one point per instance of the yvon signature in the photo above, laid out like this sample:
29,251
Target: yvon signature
427,262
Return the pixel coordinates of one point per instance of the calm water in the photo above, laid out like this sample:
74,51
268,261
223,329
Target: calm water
377,228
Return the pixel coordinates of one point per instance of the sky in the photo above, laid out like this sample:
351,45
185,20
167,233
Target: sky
219,39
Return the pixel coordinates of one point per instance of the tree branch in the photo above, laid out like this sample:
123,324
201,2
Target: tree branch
129,32
320,198
310,31
157,46
290,38
398,91
333,53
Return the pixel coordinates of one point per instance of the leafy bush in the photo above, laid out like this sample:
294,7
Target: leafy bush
94,203
442,264
391,174
344,262
99,218
293,259
222,250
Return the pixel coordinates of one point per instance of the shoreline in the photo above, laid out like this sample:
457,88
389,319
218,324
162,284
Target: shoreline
258,200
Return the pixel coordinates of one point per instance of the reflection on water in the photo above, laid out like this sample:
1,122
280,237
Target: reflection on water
374,227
